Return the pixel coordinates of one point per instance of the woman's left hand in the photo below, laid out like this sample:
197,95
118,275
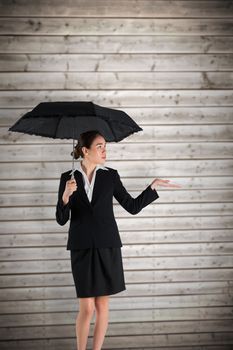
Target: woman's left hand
163,183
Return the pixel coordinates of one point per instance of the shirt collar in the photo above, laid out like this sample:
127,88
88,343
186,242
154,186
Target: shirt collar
79,167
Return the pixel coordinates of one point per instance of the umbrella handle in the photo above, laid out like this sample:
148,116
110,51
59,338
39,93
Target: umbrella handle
72,175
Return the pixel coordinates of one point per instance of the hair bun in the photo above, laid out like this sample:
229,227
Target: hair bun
77,152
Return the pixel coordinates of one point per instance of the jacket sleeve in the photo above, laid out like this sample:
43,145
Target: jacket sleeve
133,205
62,211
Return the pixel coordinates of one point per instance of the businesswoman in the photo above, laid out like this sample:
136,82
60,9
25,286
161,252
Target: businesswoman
93,240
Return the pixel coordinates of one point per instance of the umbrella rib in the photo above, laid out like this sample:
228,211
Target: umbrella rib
57,126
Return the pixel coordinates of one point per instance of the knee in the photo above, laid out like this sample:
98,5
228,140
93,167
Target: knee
87,309
101,303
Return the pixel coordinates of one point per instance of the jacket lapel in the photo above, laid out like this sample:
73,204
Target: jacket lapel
96,189
97,186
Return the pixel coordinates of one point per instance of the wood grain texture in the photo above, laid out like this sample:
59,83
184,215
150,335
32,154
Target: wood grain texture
114,26
121,99
118,62
127,44
122,8
116,81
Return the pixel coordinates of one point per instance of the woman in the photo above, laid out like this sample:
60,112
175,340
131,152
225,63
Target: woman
94,241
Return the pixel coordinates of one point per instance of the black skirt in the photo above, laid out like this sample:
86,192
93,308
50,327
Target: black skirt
97,271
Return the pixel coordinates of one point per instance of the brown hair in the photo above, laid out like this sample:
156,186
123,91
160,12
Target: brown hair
85,140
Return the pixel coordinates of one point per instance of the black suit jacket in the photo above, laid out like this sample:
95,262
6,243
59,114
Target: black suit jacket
93,224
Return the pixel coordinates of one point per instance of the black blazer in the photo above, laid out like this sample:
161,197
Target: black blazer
93,224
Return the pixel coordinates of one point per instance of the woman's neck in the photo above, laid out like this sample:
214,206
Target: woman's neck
88,167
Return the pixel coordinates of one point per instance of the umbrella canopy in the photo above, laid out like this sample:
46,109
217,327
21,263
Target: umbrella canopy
67,120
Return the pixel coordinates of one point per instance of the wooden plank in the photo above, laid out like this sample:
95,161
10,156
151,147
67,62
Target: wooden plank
115,62
135,250
143,342
115,44
114,80
106,8
128,342
114,329
220,196
172,277
115,26
143,116
155,209
71,345
118,329
157,302
205,290
136,237
146,315
40,211
126,98
150,170
130,263
204,185
126,224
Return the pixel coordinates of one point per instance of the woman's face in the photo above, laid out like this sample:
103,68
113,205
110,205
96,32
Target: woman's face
97,152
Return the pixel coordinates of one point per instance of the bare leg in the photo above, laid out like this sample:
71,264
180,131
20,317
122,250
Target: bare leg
86,309
101,323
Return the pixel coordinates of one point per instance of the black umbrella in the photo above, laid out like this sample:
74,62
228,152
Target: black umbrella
67,120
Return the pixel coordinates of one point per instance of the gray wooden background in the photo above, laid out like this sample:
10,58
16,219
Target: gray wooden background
169,64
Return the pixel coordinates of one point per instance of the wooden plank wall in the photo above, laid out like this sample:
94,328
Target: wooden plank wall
169,64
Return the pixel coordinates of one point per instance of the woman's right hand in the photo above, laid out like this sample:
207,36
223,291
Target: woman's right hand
71,186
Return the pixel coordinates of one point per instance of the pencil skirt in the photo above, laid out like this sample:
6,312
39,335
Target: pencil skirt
97,271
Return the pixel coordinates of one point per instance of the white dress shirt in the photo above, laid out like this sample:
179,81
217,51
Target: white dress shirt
87,185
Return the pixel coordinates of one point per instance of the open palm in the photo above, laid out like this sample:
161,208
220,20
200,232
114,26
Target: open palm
163,183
